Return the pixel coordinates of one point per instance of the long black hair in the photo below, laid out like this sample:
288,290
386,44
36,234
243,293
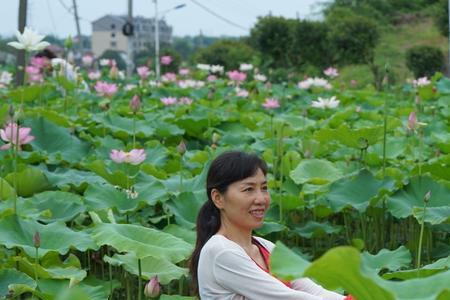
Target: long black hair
225,169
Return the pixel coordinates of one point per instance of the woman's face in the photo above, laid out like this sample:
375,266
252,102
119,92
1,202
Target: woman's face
245,202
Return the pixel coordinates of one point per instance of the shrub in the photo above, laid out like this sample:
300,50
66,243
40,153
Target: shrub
311,45
353,39
273,38
117,56
424,60
441,17
228,53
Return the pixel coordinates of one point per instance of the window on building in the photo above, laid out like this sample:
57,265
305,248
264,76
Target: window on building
113,34
113,44
113,26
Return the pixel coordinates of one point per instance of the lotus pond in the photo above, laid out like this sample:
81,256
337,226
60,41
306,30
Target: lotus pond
360,183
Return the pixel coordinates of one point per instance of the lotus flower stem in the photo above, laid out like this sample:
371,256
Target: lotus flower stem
110,274
134,130
140,279
426,198
128,286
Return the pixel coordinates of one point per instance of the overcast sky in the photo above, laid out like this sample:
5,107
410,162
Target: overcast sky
54,16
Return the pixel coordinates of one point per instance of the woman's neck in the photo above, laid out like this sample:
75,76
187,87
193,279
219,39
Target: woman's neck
242,237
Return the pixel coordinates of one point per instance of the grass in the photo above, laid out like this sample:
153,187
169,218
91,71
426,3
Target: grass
393,44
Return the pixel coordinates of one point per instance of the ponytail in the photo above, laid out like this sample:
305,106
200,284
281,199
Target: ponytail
208,223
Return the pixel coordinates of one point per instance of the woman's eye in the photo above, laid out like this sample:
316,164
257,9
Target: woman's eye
248,189
264,188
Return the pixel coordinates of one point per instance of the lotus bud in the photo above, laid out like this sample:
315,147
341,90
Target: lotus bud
37,240
135,104
215,138
152,288
181,148
427,197
412,121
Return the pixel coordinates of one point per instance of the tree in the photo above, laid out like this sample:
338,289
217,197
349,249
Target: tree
441,17
273,38
228,53
424,60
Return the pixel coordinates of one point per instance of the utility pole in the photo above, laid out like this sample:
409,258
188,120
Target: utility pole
130,40
20,74
157,65
77,23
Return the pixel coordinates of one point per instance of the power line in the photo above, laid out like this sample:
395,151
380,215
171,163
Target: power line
219,16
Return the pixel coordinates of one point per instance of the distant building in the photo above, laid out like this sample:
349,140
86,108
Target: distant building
107,34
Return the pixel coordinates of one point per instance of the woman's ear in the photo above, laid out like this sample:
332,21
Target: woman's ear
217,198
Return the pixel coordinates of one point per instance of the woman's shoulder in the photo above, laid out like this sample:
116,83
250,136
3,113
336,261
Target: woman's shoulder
218,242
266,243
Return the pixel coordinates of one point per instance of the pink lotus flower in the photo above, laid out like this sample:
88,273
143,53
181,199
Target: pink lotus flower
135,104
166,60
143,72
169,77
40,62
271,103
183,71
134,157
241,93
32,70
167,101
35,78
105,89
211,78
185,100
423,81
15,135
331,72
237,76
94,75
152,288
87,60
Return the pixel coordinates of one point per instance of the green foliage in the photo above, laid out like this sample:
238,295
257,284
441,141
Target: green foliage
273,38
424,60
353,39
227,53
441,17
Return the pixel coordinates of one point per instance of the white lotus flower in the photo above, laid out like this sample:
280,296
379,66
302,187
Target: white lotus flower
216,69
5,78
29,40
260,77
203,67
325,103
423,81
245,67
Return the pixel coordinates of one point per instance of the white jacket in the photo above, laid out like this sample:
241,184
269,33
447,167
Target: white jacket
226,272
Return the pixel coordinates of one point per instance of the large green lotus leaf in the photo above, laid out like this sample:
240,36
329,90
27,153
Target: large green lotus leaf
102,197
386,259
151,266
394,148
116,177
314,229
438,266
56,140
63,206
428,288
195,124
150,189
436,169
6,190
285,263
354,138
123,127
288,201
29,181
142,241
443,85
357,191
195,185
17,281
166,130
433,215
270,227
104,145
26,93
61,177
315,171
403,202
341,267
52,289
56,236
185,207
187,235
53,272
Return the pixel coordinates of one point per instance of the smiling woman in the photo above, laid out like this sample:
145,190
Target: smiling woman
228,262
